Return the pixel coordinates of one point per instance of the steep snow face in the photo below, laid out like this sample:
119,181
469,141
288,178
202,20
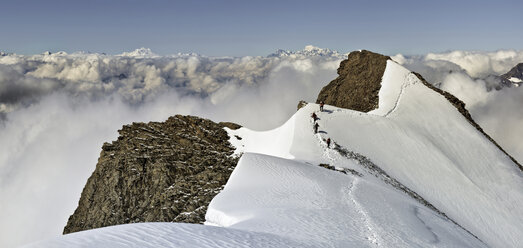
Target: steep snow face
431,148
416,136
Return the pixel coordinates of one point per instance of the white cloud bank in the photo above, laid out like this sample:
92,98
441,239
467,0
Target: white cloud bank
57,110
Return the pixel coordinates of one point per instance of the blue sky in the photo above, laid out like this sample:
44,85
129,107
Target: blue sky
238,28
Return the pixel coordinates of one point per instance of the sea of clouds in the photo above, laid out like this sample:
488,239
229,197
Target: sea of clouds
56,110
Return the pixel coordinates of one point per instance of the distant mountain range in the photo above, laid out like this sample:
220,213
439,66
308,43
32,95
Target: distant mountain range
308,51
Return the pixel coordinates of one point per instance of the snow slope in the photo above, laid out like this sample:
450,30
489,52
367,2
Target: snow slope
326,208
416,136
166,235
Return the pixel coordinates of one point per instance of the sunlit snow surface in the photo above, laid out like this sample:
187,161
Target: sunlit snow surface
327,208
416,136
163,235
279,195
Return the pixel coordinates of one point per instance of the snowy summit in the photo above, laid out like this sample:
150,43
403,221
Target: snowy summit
140,53
413,171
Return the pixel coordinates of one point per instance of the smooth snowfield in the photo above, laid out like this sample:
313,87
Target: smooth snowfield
326,208
416,136
166,235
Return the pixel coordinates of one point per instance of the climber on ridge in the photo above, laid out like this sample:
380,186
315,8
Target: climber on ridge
316,127
328,142
321,106
314,117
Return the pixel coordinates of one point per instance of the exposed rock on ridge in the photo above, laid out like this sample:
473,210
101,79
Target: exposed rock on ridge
358,83
157,172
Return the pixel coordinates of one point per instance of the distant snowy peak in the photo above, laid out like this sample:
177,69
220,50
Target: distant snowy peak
513,78
515,75
148,53
140,52
309,51
48,53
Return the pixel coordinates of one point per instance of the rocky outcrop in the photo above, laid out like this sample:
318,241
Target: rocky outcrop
358,82
157,172
301,104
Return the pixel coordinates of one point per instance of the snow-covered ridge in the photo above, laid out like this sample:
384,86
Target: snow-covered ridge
416,138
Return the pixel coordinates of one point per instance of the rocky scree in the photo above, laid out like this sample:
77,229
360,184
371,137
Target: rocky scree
157,172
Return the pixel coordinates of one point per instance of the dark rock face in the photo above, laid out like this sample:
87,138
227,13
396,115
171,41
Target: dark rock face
358,83
157,172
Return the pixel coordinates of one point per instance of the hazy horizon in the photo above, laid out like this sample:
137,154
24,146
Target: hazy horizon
238,28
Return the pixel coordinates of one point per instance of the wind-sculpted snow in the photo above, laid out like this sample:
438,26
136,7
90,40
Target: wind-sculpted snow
167,235
324,208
